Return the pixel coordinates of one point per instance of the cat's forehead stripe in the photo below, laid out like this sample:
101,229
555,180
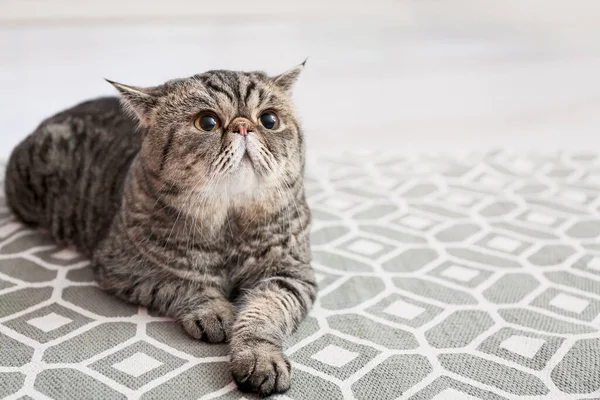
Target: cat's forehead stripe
249,90
214,83
237,87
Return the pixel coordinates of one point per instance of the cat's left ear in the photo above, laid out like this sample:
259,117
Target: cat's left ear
138,100
287,80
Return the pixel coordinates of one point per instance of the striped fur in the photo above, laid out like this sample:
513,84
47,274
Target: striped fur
211,229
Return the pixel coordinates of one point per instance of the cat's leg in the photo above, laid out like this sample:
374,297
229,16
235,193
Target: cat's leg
269,313
200,307
203,311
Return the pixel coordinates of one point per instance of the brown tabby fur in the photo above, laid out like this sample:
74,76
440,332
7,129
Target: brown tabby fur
211,229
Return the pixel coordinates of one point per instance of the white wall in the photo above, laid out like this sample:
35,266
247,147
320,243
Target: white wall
392,74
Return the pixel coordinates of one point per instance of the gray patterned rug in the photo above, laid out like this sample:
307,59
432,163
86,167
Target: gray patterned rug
447,278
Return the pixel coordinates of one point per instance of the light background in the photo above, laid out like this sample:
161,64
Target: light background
404,75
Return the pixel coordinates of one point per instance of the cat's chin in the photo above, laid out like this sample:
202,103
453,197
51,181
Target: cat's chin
241,182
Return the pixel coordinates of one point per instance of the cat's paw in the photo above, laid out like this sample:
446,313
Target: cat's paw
262,369
211,322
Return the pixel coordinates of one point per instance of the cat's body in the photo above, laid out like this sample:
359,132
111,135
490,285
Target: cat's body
68,175
209,227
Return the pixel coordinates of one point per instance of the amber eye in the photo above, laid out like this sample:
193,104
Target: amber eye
207,122
269,120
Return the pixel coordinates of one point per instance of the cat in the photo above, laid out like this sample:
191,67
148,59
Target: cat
189,199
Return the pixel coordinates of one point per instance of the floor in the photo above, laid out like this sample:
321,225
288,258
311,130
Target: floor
401,76
478,282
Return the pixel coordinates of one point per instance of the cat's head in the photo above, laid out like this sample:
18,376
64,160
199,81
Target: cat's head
227,133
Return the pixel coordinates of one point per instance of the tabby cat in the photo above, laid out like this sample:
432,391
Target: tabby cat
189,201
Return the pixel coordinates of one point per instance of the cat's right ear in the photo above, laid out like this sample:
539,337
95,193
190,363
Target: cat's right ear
287,80
138,100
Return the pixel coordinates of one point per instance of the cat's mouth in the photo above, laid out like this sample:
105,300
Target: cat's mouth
246,159
251,157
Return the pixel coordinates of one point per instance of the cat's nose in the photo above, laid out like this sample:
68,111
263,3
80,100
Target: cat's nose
242,126
241,129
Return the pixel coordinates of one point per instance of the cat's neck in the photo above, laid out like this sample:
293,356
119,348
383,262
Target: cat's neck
209,209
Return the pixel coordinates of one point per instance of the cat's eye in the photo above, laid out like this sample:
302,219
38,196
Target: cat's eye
269,120
207,122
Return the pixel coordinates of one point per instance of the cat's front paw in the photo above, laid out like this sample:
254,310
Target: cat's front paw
262,369
210,322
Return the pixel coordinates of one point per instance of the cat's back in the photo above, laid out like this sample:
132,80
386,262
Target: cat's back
68,174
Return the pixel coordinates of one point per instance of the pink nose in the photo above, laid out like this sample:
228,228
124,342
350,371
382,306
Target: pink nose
241,129
242,126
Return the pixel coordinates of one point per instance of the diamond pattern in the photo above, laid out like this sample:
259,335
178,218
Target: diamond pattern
569,303
460,273
404,310
540,218
503,243
415,222
441,278
49,322
365,247
523,345
335,356
137,364
594,264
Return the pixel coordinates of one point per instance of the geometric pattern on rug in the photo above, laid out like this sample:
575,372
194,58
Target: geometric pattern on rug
441,277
